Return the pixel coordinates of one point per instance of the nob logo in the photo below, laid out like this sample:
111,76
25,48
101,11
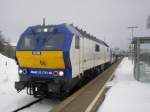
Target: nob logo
42,63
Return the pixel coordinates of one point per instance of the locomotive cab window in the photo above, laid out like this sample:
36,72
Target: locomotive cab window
53,42
28,43
97,48
77,42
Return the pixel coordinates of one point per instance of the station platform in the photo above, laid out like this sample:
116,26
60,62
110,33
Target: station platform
90,96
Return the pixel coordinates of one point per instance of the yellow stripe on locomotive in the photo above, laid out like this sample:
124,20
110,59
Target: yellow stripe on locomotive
46,59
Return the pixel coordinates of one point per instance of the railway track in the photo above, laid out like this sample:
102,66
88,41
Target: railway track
28,105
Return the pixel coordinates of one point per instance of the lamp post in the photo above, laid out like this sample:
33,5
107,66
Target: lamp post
131,46
132,30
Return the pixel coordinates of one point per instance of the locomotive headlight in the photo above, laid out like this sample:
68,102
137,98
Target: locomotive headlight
45,30
55,73
24,71
61,73
20,71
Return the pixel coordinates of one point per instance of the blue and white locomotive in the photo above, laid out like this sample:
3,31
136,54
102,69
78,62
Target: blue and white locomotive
55,58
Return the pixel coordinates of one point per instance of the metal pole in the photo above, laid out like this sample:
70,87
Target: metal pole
132,32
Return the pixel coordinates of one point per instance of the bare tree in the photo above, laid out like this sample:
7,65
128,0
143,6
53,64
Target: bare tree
2,41
5,47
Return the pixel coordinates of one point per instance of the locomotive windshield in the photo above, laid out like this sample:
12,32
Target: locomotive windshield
28,43
49,42
53,42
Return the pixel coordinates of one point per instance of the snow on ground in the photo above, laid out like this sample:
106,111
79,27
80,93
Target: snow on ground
8,69
9,98
43,106
126,94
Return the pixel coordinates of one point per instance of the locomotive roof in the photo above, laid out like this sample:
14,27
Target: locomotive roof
83,33
76,31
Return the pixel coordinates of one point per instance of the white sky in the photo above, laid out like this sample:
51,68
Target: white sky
107,19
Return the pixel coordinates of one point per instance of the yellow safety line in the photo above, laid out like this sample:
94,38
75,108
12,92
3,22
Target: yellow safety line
89,108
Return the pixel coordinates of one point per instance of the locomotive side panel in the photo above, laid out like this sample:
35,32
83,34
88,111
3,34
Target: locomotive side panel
88,54
99,53
75,58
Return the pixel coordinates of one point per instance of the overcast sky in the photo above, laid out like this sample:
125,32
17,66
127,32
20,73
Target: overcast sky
107,19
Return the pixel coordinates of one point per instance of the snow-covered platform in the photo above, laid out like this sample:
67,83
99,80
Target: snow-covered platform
126,94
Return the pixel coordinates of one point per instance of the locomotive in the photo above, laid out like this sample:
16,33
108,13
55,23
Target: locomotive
53,59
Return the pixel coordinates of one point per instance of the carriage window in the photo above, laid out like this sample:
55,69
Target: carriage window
97,48
77,42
